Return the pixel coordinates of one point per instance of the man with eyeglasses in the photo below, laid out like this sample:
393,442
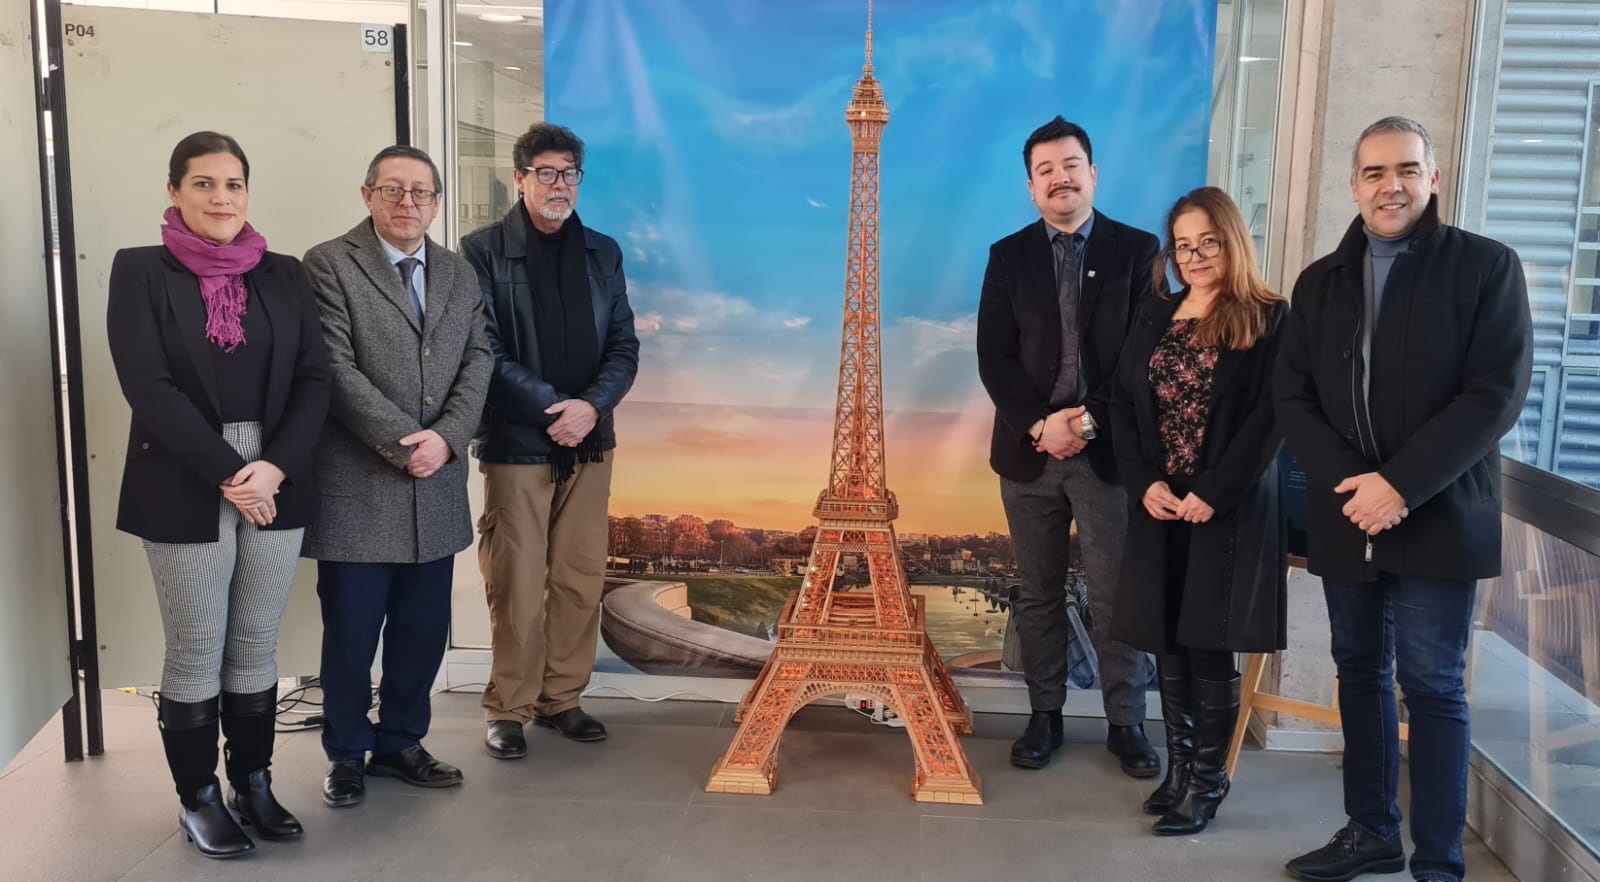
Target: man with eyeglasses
1405,358
403,320
565,354
1059,297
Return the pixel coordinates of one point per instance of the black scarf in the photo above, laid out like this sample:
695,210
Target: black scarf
563,321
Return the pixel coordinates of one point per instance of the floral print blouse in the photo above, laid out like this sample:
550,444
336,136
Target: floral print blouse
1180,374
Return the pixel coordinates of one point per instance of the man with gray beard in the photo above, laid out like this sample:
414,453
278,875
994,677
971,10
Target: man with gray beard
561,330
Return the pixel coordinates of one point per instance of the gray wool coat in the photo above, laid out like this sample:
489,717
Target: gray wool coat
393,376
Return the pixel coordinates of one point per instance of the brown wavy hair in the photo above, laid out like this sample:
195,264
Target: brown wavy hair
1239,315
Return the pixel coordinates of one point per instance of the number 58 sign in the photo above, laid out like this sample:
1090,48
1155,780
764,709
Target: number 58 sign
377,38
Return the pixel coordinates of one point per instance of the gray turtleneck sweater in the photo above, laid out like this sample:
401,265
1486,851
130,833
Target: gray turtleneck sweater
1381,253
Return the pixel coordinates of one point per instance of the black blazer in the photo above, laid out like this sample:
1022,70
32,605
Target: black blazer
1233,595
1019,335
177,458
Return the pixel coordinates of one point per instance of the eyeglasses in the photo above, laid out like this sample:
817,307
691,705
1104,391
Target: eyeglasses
547,175
418,197
1206,249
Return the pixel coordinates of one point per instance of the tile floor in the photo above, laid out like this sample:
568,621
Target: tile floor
633,809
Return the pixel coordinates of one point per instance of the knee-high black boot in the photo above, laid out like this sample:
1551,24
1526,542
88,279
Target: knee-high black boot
1172,673
247,723
189,735
1216,712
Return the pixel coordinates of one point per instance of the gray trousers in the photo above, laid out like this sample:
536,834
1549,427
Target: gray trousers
1040,514
221,601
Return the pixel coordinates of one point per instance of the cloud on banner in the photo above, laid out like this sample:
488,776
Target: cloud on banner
720,160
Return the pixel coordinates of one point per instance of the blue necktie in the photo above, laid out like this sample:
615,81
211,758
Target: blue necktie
408,275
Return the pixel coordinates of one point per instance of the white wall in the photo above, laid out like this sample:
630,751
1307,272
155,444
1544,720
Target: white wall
34,676
307,160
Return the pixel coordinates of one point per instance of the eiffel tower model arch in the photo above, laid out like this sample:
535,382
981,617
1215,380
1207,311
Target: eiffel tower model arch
832,639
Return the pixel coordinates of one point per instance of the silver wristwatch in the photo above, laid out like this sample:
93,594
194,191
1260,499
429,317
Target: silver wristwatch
1087,424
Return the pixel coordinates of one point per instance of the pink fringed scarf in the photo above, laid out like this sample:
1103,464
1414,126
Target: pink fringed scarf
220,269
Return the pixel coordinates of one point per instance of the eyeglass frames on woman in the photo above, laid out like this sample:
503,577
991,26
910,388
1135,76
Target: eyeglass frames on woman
1207,248
418,197
547,176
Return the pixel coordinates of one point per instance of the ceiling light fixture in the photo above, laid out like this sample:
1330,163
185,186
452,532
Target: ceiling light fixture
462,43
512,67
502,17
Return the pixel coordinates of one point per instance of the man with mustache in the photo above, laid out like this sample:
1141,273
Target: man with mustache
1405,359
403,321
1059,297
565,354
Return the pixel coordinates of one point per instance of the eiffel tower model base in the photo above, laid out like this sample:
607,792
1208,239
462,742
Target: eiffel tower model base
832,642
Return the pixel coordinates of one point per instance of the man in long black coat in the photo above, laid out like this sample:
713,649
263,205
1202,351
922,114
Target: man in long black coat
1406,357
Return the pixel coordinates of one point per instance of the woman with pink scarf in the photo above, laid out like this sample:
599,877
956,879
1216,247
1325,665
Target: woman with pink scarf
218,347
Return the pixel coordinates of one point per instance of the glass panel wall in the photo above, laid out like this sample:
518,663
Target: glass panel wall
1531,179
1244,110
499,92
1534,675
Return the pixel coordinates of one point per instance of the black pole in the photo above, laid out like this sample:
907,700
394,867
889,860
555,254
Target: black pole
87,646
402,87
47,45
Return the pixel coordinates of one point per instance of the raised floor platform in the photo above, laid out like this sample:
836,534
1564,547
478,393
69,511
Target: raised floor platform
633,809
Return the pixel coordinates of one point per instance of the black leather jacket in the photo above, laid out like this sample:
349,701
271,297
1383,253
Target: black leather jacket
514,420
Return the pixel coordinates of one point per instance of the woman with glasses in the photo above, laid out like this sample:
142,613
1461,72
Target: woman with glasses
218,348
1204,575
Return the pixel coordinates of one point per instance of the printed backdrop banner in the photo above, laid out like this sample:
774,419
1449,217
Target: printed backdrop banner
718,156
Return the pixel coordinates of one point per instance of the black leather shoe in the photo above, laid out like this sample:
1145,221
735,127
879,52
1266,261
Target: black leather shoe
574,725
209,826
345,785
1139,759
258,808
416,767
505,740
1351,852
1042,738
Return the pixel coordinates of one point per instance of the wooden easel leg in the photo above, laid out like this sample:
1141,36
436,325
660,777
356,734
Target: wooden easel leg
1248,686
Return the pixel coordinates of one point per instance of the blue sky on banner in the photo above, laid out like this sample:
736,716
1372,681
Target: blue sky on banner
719,157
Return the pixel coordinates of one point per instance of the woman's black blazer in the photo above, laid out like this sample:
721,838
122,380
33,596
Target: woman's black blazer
177,458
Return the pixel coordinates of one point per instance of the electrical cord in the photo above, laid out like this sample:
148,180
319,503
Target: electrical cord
288,718
597,689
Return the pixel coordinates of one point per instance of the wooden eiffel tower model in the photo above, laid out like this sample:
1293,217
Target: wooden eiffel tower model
831,639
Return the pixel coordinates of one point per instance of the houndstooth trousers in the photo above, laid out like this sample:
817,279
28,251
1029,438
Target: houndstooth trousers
221,601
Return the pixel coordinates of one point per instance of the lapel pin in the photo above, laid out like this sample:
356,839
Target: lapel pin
1091,274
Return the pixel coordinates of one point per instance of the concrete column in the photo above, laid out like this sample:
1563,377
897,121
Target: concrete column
1361,60
1351,63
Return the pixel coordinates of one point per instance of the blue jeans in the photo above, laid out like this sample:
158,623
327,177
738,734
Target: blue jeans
1420,627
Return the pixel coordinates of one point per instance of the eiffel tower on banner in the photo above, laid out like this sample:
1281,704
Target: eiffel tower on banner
832,639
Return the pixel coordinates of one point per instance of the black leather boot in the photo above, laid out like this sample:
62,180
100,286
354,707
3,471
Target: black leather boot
189,736
1042,738
1216,712
247,723
1172,673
